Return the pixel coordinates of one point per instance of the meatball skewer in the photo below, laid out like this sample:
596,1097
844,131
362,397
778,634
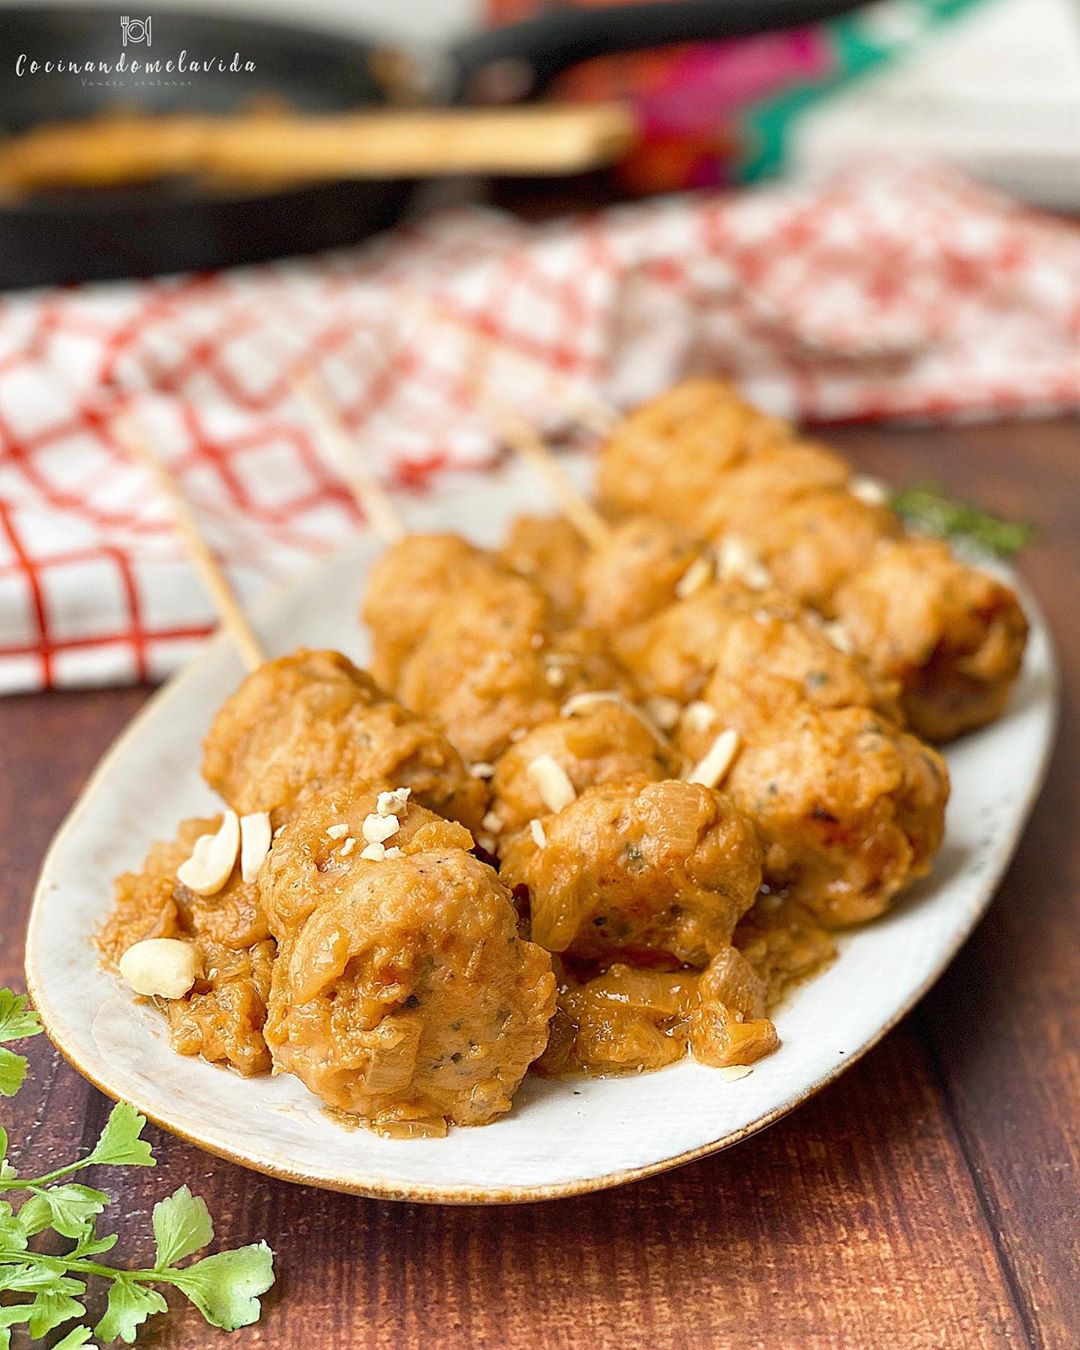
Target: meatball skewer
950,633
850,808
356,967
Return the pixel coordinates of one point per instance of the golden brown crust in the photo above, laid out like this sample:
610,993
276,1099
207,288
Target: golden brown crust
628,868
550,553
849,808
951,635
312,721
606,743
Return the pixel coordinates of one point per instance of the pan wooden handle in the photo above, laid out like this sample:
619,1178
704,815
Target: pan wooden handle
552,139
534,140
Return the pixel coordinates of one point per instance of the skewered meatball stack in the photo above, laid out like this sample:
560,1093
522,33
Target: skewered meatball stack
475,646
849,807
951,634
581,784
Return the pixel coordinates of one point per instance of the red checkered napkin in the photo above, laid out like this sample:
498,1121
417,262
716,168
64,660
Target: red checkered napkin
889,291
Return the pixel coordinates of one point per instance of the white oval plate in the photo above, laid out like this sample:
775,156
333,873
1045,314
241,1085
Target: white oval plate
562,1137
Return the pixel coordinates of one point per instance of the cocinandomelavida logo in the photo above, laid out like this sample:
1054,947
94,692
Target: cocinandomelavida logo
134,32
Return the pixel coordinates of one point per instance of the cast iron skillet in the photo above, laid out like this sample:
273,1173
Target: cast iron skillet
171,226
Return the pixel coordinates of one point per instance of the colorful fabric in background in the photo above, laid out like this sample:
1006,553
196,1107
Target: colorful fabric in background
889,291
719,113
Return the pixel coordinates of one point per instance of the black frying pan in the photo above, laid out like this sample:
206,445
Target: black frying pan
67,236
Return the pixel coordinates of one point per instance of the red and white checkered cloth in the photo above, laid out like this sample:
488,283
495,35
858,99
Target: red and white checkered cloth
889,291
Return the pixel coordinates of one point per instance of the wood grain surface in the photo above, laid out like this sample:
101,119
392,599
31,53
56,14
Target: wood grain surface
929,1198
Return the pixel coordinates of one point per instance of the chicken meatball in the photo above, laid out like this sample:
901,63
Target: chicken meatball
312,721
550,553
408,586
849,809
222,1016
758,647
628,868
953,636
668,457
606,742
487,673
402,993
638,571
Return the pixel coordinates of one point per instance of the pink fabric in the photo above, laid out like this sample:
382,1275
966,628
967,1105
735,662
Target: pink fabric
890,291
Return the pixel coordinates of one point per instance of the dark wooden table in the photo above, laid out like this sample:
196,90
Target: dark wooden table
929,1198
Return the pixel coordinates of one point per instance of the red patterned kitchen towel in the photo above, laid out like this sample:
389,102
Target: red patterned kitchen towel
896,290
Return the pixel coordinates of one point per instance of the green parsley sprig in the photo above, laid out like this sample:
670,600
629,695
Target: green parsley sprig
928,508
43,1292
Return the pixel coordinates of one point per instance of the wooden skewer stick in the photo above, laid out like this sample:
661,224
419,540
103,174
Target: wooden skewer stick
573,503
229,611
368,493
521,437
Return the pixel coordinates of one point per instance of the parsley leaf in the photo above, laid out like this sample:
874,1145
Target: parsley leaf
182,1225
71,1208
927,507
51,1309
130,1304
76,1336
12,1072
119,1144
17,1020
225,1287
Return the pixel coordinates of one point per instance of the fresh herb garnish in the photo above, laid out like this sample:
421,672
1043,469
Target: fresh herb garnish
225,1287
927,507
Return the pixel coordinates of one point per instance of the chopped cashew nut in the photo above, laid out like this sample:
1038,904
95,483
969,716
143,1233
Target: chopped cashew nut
482,769
698,574
552,782
837,635
373,852
347,847
377,829
338,831
733,1072
738,562
254,843
711,770
213,858
392,853
872,491
160,967
664,711
492,823
582,703
537,832
393,803
700,716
